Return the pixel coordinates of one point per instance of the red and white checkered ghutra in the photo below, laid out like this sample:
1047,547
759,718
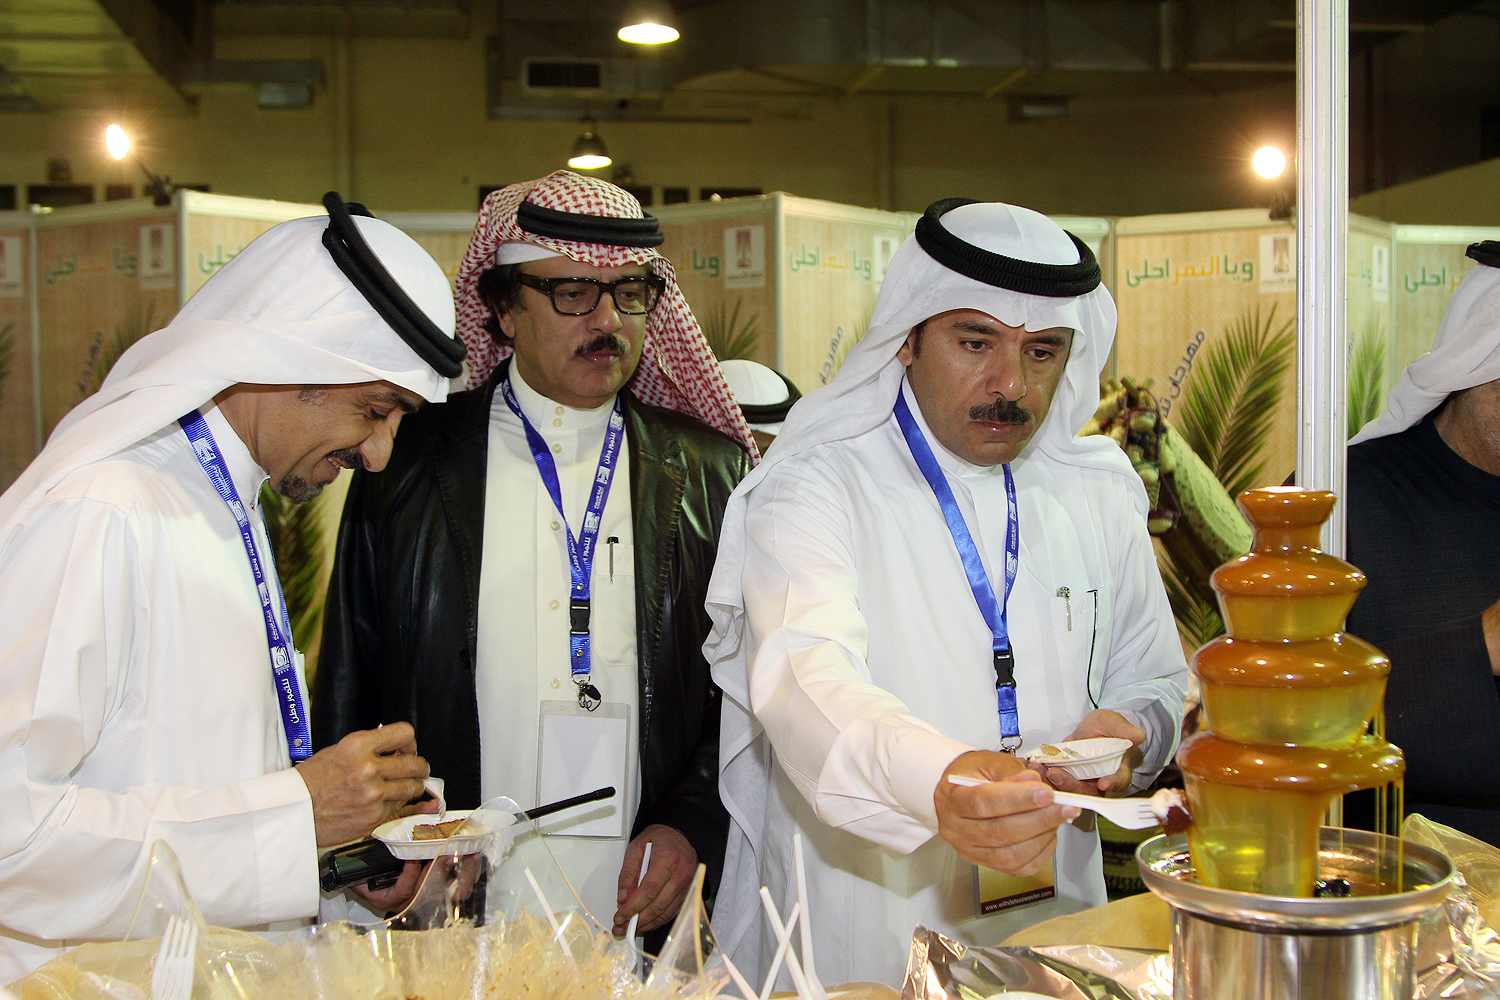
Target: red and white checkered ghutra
677,369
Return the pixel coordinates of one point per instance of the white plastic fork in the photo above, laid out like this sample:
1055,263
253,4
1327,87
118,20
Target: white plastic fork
1127,814
172,976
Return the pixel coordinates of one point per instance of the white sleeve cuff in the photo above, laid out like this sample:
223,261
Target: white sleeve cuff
917,765
286,846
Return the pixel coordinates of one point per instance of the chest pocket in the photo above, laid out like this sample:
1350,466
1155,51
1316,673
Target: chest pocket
613,619
1080,627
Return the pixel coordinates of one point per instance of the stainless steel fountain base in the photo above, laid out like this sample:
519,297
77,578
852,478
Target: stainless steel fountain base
1243,946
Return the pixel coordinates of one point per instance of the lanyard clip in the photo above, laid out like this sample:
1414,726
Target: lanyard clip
578,613
1005,668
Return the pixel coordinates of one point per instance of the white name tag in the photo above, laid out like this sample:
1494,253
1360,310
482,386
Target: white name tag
578,752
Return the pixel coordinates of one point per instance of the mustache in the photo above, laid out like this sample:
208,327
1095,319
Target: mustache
603,342
1000,411
350,457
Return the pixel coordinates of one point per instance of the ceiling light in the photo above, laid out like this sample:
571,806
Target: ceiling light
117,142
1268,162
648,24
589,152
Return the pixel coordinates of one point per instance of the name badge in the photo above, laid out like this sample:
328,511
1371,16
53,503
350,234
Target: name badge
995,892
579,751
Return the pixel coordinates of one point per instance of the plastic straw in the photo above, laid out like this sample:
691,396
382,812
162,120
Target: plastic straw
635,917
746,990
814,986
784,935
780,956
547,909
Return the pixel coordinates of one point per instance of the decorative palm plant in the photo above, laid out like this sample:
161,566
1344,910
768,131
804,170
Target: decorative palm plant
728,334
1366,374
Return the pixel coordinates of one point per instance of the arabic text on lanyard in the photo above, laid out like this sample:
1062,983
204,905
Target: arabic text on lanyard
278,626
580,550
992,609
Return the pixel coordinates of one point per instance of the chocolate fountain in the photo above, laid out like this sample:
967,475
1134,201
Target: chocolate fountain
1267,903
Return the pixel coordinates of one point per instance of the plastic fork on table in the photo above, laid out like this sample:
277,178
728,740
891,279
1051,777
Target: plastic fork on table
1127,814
172,976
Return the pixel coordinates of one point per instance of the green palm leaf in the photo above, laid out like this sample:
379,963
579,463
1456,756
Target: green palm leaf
1366,374
1230,403
1197,619
729,336
296,535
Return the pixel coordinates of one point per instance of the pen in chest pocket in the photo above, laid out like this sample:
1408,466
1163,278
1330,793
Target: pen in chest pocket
612,541
1067,596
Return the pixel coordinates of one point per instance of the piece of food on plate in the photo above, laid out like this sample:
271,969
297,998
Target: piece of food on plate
437,831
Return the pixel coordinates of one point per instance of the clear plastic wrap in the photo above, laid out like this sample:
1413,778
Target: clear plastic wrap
476,930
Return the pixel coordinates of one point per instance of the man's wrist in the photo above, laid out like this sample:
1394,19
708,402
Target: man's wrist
917,765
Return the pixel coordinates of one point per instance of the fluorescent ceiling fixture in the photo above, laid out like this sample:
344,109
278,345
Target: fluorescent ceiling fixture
589,161
1268,162
117,142
649,33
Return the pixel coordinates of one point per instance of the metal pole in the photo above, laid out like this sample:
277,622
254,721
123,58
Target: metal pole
1322,227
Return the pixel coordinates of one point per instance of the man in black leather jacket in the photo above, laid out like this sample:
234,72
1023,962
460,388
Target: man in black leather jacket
404,620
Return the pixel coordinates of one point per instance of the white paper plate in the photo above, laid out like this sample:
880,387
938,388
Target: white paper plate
1097,758
397,834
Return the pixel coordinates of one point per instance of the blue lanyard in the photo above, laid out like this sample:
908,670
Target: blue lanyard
278,627
581,550
992,610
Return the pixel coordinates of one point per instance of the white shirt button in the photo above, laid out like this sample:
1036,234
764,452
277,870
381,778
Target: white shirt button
557,449
557,421
559,411
554,527
554,683
553,605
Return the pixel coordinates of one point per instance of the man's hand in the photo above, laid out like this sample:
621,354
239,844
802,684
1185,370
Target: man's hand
395,897
668,879
1011,825
363,781
1099,722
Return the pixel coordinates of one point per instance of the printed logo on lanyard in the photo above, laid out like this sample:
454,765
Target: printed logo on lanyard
581,549
992,609
278,626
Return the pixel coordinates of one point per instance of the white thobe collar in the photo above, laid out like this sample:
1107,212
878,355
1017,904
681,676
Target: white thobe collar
542,411
950,463
247,476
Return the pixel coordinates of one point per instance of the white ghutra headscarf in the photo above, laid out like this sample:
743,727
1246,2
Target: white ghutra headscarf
280,313
1465,353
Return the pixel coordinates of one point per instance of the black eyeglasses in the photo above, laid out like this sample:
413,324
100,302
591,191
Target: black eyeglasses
580,296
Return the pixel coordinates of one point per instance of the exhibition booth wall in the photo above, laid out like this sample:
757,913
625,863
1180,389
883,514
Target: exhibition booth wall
1207,305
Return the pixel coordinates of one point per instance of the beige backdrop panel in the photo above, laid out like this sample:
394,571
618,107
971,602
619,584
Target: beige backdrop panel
95,290
1179,292
1422,285
446,247
1368,285
211,241
716,285
17,405
832,269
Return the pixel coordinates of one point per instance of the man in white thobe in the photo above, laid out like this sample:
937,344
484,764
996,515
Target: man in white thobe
143,697
857,667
